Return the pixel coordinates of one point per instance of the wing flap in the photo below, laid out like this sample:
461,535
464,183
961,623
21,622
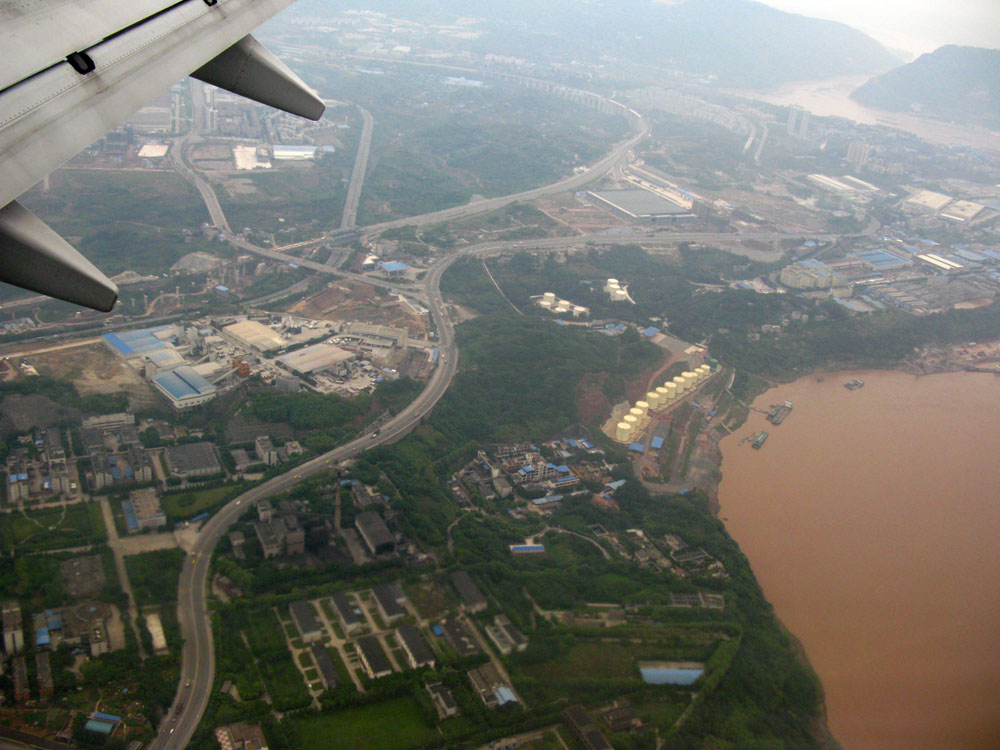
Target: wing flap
248,69
34,257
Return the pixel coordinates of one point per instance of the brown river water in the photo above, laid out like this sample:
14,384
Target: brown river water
872,520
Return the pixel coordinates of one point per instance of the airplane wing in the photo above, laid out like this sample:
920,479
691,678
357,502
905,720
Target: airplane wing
75,69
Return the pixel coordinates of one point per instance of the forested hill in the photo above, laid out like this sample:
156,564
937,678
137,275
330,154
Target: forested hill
954,83
738,42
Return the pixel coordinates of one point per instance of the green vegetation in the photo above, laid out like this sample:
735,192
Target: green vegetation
436,146
322,421
726,317
274,660
517,381
154,575
755,687
294,202
189,504
65,395
53,528
394,724
125,220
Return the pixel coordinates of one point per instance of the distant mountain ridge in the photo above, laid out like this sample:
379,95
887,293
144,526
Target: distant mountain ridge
740,43
952,82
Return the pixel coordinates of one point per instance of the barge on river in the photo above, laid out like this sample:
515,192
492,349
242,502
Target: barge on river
778,412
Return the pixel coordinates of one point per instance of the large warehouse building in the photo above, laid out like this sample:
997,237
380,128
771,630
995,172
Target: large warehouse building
640,205
254,335
316,358
134,344
184,387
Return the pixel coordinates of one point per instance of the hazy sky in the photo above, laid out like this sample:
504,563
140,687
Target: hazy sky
914,25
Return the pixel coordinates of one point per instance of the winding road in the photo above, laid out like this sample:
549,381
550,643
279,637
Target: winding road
198,658
198,655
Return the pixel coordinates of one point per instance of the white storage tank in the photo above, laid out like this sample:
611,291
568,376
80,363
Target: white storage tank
666,394
630,419
681,385
579,312
690,379
636,412
704,371
619,295
653,399
549,297
560,309
643,405
623,432
611,284
546,304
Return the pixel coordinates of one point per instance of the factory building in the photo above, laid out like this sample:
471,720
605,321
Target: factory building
640,205
472,598
327,669
375,335
318,358
131,465
184,388
810,274
134,344
305,620
254,335
415,648
394,269
293,153
280,535
143,511
348,613
373,659
376,534
192,460
13,633
389,600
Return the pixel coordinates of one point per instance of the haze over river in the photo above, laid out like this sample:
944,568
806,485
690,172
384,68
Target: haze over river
829,98
872,521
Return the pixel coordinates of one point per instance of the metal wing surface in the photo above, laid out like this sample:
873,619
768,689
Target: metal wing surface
74,70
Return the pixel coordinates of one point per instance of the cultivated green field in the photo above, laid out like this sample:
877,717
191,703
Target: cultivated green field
188,504
53,528
393,725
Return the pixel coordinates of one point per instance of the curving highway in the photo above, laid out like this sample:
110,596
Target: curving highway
198,657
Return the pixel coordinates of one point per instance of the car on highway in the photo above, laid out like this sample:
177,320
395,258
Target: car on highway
180,707
375,434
